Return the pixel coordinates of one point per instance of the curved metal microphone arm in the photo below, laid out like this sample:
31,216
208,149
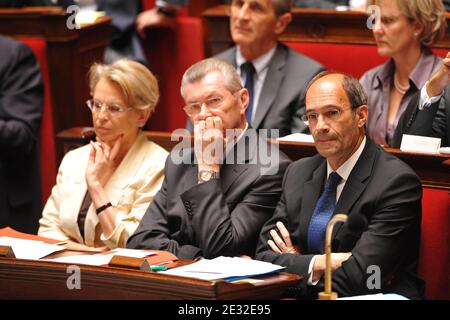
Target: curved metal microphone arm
328,294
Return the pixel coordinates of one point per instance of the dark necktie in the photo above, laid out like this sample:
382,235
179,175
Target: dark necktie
322,214
87,201
248,69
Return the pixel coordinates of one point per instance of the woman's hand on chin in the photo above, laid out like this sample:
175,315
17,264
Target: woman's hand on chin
103,161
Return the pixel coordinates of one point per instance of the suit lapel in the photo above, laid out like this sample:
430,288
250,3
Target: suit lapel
239,158
311,193
271,85
356,183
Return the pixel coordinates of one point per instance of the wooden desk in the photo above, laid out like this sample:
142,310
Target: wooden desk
308,25
70,53
433,169
26,279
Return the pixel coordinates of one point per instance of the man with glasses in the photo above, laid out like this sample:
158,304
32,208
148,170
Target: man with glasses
275,75
378,249
216,197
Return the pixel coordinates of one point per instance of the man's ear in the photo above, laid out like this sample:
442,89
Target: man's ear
362,112
244,99
282,23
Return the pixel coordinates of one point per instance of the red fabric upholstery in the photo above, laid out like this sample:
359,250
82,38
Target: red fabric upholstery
46,135
354,59
434,264
170,52
148,4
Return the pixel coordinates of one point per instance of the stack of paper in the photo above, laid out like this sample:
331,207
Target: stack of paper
29,249
226,268
102,259
297,137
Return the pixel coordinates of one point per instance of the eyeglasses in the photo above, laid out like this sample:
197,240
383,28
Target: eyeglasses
213,103
112,109
329,115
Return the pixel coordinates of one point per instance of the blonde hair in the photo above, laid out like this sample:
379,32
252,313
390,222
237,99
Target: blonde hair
137,83
428,13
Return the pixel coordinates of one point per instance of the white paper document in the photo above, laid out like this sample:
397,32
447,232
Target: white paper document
29,249
377,296
133,253
87,259
227,268
297,137
103,259
420,144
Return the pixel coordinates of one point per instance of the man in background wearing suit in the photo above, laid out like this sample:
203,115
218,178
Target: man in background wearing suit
275,75
21,105
351,175
214,201
428,113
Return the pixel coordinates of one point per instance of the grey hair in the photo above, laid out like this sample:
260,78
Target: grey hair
200,69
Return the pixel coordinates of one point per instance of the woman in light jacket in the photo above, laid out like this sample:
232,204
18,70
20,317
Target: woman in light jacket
104,188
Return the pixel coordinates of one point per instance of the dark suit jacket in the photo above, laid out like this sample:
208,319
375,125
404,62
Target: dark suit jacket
21,103
380,187
282,96
219,217
430,122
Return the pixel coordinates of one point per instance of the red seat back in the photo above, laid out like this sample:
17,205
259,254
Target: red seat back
434,264
46,135
354,59
170,52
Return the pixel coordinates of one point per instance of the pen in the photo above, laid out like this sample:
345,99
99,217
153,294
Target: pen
158,268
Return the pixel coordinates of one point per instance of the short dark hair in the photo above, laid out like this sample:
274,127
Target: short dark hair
352,87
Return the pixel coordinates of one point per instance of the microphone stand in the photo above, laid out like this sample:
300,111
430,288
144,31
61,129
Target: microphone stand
328,294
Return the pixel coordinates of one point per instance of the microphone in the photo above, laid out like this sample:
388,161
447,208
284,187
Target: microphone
327,294
355,225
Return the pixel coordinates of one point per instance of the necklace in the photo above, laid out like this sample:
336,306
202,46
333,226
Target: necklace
398,86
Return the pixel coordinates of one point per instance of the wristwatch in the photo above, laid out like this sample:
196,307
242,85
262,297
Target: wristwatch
206,175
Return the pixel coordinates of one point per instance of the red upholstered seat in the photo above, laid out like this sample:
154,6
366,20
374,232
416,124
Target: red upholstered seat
170,52
46,135
434,264
354,59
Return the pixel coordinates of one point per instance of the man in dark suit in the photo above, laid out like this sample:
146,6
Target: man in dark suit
378,250
215,198
280,74
21,104
428,113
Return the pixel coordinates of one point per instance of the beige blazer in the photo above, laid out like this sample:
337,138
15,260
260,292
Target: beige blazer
130,189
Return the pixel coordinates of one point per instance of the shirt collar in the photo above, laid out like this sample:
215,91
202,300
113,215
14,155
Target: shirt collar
259,63
346,168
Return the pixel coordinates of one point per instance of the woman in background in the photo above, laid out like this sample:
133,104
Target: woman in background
405,34
103,189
